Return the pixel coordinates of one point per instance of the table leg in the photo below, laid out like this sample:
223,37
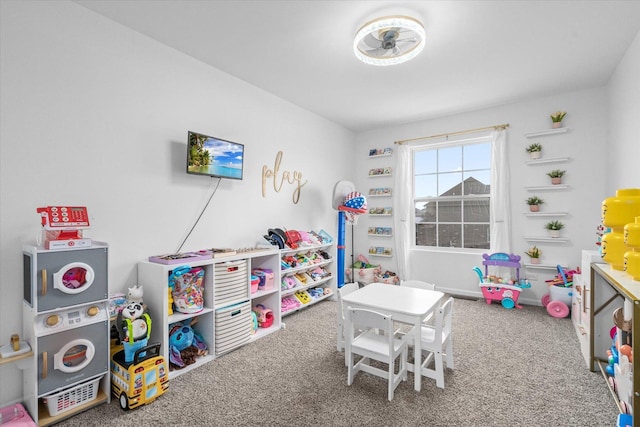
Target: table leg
417,355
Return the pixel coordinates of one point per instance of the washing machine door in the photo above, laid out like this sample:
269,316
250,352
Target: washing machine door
74,278
74,356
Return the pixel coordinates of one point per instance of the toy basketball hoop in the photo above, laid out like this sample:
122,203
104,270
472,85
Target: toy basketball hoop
349,204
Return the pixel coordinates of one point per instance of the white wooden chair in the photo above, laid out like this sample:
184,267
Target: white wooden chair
418,284
346,289
437,344
363,339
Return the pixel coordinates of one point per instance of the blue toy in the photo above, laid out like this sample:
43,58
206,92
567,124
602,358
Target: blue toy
184,345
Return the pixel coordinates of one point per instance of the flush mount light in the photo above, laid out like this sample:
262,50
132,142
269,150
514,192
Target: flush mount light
389,40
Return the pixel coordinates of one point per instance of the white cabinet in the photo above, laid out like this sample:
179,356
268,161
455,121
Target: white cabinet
306,272
581,302
227,298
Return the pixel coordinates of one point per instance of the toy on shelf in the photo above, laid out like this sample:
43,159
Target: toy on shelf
620,369
187,287
264,315
185,345
558,300
495,288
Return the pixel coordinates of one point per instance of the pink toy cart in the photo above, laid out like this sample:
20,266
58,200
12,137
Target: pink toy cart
506,293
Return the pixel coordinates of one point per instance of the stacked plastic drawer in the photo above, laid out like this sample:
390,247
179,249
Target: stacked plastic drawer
233,323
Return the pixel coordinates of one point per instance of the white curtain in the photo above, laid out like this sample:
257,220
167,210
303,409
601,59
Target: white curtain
402,209
500,203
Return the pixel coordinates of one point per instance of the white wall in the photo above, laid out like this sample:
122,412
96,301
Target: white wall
624,123
584,143
95,114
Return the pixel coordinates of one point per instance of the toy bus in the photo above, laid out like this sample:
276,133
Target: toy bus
141,381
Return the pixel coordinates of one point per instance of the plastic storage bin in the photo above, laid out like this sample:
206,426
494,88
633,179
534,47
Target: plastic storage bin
72,397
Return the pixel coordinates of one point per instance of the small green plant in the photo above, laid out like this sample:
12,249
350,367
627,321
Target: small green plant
556,173
558,116
534,148
554,225
534,252
534,200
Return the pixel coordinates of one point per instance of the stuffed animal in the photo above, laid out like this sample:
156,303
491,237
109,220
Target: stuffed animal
135,294
135,323
184,345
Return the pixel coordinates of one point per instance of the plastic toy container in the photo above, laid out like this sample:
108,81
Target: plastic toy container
72,397
15,416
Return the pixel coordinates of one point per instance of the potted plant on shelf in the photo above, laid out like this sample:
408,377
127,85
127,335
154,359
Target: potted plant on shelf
534,203
554,228
556,176
534,253
534,150
556,119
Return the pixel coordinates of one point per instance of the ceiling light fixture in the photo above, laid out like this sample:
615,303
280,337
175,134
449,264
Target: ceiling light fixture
389,40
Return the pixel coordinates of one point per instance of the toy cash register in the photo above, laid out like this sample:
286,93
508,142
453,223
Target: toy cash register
63,225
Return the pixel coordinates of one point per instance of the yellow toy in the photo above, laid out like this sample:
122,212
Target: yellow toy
632,256
617,212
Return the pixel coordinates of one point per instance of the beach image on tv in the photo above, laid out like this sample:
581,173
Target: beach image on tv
212,156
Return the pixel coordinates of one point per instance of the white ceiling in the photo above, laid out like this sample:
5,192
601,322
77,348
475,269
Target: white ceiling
477,54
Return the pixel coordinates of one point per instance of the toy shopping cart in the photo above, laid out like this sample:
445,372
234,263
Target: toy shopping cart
558,300
495,288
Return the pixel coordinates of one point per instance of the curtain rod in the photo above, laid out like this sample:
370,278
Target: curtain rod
461,132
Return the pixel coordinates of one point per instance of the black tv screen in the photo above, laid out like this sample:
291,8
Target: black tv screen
215,157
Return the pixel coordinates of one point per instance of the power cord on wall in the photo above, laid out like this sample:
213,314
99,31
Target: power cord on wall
199,216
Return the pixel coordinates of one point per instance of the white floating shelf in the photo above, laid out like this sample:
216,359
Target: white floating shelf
541,266
546,239
548,160
546,132
545,213
380,155
379,195
380,255
380,235
547,187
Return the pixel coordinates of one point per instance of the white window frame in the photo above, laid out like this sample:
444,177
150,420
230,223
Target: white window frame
414,199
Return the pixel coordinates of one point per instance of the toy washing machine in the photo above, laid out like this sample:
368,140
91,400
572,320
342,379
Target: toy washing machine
66,321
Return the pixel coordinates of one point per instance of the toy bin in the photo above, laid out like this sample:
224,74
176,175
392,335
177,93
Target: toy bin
72,397
255,281
558,300
15,416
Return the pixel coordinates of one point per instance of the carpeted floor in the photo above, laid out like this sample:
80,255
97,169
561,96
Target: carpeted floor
513,368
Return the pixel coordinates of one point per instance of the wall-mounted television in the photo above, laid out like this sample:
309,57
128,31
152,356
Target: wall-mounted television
210,156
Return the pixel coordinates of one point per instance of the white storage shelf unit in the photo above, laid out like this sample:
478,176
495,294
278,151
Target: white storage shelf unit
326,282
154,278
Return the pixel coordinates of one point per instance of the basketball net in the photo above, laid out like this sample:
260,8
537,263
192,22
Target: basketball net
351,217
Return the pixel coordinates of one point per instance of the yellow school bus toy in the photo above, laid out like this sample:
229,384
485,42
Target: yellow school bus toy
140,381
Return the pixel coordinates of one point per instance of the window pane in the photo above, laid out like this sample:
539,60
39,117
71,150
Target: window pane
476,236
477,156
426,234
450,235
477,182
476,211
425,162
425,212
449,159
449,211
426,186
450,184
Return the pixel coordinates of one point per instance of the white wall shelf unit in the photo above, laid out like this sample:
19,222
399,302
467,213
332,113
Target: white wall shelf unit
545,214
541,266
557,187
547,161
546,132
546,239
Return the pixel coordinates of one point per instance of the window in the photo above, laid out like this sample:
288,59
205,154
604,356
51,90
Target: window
451,194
